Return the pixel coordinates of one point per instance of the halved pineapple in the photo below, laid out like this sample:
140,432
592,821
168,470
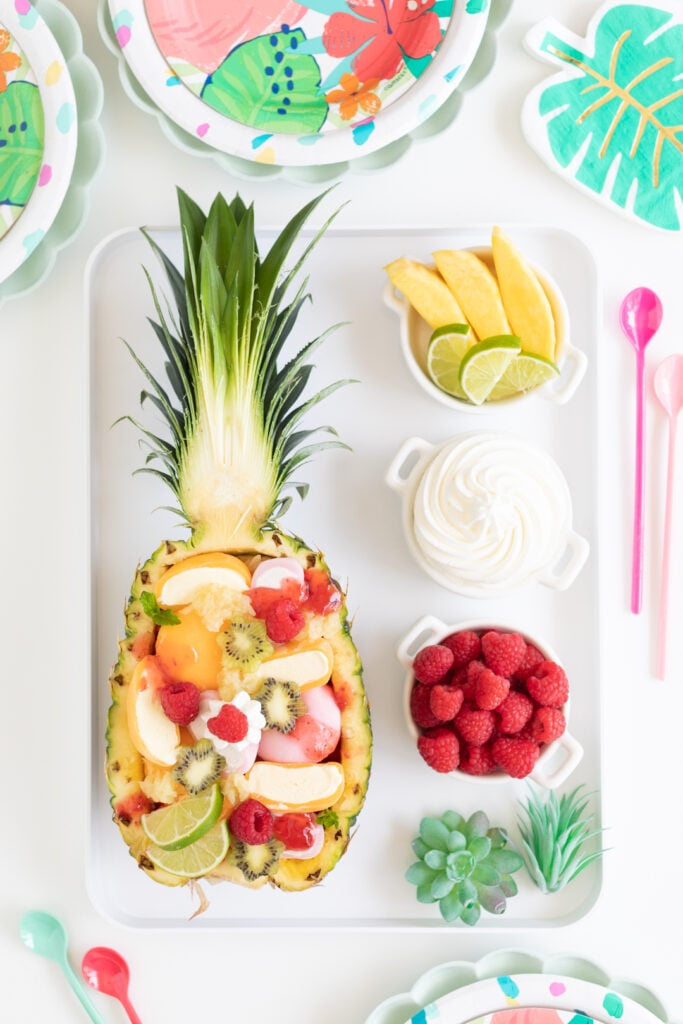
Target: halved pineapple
232,411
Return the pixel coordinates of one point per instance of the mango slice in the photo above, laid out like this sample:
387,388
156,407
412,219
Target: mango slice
475,289
524,299
426,291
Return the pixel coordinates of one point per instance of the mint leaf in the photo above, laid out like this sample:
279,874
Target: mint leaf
159,616
328,818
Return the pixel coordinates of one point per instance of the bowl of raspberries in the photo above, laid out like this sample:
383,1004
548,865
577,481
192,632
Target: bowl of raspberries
487,703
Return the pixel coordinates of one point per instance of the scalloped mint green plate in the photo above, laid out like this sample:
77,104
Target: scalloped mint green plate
71,94
315,156
512,980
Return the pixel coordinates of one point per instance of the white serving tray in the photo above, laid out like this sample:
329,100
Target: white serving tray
353,516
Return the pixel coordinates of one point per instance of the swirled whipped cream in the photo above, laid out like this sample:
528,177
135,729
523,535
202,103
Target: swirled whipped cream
491,512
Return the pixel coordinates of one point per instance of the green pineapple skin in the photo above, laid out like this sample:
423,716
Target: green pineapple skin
125,766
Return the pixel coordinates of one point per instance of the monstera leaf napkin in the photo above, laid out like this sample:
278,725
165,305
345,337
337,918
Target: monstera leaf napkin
611,121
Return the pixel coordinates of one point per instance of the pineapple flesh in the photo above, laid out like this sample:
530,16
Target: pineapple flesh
233,410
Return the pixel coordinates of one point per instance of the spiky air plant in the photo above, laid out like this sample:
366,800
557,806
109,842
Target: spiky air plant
464,866
554,838
194,622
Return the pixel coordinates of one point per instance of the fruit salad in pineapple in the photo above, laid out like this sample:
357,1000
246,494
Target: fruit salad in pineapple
238,741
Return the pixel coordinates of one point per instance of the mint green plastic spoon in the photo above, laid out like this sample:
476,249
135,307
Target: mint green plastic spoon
46,935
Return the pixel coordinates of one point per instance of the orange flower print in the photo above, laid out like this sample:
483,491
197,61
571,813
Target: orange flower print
353,95
8,61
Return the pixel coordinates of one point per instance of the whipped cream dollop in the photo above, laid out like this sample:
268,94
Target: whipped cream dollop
491,512
239,755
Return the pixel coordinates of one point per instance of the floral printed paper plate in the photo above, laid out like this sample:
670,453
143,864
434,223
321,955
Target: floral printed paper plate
510,987
49,143
298,84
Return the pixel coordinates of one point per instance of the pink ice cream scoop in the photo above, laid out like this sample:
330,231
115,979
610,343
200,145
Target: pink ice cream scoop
203,32
313,738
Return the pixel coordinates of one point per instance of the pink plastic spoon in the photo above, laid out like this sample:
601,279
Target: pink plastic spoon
668,383
106,971
640,315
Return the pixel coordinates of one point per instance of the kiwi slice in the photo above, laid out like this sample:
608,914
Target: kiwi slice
244,644
198,767
281,703
255,861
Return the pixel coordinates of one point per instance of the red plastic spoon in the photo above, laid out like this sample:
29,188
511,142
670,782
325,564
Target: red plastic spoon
106,971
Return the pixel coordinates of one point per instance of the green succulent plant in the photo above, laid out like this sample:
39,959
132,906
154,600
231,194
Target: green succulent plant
463,866
554,835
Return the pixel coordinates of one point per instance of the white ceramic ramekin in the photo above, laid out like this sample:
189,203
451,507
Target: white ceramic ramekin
404,475
556,761
415,335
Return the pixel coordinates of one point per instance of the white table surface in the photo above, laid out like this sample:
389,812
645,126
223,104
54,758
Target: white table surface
479,170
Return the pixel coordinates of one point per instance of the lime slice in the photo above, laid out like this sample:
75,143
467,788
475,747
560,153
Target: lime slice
447,346
485,363
197,859
524,373
179,825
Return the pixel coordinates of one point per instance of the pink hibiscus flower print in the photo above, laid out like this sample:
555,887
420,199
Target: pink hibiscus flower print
380,33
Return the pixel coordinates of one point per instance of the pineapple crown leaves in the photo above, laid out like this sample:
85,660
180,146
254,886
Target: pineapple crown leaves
231,409
464,866
554,835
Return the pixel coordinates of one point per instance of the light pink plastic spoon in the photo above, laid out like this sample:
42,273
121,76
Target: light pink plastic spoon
640,315
668,383
106,971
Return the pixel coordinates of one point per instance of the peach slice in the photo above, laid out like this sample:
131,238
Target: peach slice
307,666
189,652
296,787
179,585
154,735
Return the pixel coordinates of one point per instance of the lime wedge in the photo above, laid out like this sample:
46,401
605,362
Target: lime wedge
179,825
447,346
524,373
485,363
197,859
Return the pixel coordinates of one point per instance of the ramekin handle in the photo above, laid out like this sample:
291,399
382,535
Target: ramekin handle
573,752
426,630
413,446
559,580
393,299
573,371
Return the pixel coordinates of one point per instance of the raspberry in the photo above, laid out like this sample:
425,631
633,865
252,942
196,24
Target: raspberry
420,710
475,727
263,598
284,621
532,658
230,724
252,823
478,760
440,749
548,685
514,712
490,690
503,652
180,702
547,725
445,701
432,663
466,647
471,673
296,830
516,757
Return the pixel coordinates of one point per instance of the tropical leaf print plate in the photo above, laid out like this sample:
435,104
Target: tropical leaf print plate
21,131
611,122
298,83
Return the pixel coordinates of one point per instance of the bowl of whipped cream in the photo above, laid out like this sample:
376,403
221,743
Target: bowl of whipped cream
486,514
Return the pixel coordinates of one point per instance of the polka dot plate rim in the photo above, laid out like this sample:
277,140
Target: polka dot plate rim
44,55
146,74
459,991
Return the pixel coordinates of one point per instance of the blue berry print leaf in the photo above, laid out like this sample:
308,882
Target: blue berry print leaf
21,141
612,120
268,84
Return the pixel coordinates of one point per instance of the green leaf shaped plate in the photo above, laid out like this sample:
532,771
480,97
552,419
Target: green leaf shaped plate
50,145
611,121
303,84
511,987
